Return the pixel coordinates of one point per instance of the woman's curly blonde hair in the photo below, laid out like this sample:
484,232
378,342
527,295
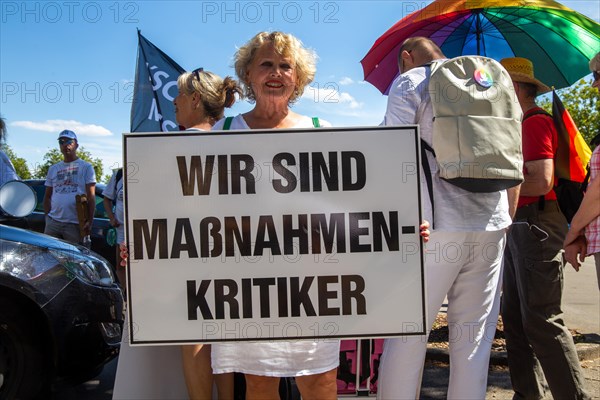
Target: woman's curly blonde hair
287,46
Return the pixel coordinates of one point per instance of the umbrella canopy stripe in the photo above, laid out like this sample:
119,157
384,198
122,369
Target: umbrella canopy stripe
547,41
444,11
557,39
383,56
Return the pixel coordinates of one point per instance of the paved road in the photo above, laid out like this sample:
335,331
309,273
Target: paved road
435,381
581,299
581,303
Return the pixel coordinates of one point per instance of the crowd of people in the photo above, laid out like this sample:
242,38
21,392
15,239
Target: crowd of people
523,282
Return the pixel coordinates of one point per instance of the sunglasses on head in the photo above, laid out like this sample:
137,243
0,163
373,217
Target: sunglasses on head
196,73
65,141
596,75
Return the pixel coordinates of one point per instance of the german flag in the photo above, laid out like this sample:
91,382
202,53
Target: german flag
573,153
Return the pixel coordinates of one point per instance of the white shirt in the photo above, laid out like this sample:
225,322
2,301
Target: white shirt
68,180
115,193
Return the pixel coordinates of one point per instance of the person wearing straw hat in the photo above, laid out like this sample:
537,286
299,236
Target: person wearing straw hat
537,341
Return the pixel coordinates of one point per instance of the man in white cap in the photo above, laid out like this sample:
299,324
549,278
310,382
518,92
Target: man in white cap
537,341
66,180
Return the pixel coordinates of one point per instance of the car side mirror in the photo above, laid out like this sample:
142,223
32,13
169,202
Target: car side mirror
17,199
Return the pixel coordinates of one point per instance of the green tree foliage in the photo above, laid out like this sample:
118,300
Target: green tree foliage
583,103
54,156
19,163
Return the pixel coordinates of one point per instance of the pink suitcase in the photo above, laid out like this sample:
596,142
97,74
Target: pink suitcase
359,365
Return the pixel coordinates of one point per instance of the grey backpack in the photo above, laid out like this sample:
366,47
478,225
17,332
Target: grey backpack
477,124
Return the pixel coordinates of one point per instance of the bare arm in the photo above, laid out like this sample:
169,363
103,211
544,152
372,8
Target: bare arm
48,200
588,211
589,208
539,177
108,205
90,192
513,199
575,244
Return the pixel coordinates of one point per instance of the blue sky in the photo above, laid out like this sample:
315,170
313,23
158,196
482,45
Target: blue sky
72,64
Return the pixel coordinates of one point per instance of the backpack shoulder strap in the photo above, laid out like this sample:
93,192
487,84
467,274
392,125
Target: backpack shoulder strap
119,175
537,112
425,147
315,122
433,65
227,123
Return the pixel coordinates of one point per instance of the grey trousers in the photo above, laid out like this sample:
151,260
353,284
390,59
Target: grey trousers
62,230
537,341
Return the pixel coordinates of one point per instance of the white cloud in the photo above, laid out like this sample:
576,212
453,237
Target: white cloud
329,95
57,125
346,81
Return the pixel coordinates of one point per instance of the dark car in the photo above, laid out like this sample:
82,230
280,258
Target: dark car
61,312
103,235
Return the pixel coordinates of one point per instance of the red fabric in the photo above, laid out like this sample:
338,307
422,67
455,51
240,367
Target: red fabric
540,141
569,163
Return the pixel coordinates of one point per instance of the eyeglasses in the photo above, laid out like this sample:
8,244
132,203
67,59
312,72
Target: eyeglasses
65,141
196,73
596,75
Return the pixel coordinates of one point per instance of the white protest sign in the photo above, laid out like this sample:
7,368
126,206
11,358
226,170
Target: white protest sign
273,235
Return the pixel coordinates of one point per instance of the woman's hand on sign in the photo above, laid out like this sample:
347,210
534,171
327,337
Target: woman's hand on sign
124,253
424,231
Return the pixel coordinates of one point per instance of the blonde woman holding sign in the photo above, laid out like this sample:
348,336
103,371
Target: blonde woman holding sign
274,68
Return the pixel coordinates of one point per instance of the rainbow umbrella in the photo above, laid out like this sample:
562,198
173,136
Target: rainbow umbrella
559,41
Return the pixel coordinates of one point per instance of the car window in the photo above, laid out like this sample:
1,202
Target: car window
100,211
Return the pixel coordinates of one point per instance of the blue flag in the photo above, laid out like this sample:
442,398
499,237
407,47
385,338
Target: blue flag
155,88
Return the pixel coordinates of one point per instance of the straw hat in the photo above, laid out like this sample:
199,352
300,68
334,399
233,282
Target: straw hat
521,70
